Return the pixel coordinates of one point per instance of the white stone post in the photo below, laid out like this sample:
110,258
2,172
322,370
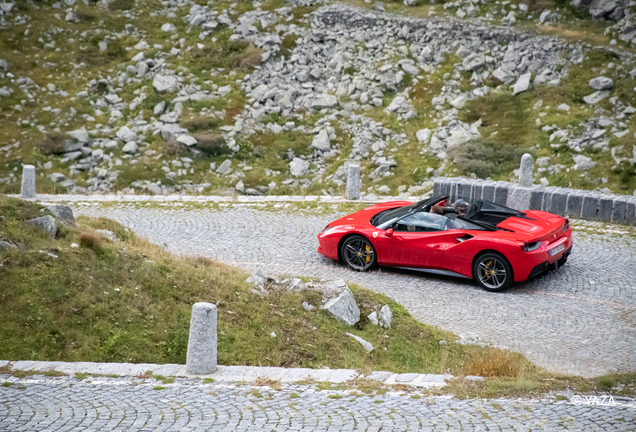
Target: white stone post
28,181
353,182
525,173
201,357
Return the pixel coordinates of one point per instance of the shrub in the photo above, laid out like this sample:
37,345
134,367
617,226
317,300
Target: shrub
486,159
85,15
288,44
201,123
175,148
121,5
91,241
249,59
211,144
53,143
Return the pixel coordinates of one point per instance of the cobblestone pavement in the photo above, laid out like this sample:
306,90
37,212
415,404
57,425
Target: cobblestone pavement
123,404
579,320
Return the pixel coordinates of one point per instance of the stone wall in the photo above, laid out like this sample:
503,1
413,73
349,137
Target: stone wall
579,204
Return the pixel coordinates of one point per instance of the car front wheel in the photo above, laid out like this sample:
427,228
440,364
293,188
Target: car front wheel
358,253
493,272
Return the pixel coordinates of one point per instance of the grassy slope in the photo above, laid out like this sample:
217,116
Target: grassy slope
130,302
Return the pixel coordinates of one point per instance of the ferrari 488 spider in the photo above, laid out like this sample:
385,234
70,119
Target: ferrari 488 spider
493,244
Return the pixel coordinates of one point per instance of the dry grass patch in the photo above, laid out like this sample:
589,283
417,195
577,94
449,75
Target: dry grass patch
267,382
250,58
91,240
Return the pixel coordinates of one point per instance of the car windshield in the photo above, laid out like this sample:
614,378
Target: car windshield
387,217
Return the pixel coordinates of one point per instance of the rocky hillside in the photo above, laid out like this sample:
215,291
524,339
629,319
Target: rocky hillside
277,98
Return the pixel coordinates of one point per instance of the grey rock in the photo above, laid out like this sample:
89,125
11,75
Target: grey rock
165,83
366,345
321,141
126,135
373,318
57,177
62,213
601,83
423,135
307,306
202,355
80,135
298,167
504,75
599,8
225,167
459,102
160,108
155,189
583,163
522,84
28,182
5,246
353,182
324,101
385,316
45,224
343,308
473,62
596,97
130,147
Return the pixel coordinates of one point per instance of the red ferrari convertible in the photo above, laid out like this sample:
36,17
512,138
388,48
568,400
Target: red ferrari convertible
491,243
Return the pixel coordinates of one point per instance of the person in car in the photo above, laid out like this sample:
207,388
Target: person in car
460,208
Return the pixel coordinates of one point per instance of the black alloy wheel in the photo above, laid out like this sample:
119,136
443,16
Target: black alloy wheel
493,272
358,253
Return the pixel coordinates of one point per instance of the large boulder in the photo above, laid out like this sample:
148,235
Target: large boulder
126,134
324,101
600,8
45,224
63,213
321,141
165,83
298,167
343,307
601,83
385,316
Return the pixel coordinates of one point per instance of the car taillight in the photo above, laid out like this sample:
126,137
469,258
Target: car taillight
529,247
566,225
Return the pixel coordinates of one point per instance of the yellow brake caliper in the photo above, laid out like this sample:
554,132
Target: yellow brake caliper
368,250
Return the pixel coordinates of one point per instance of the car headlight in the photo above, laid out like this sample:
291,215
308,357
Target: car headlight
326,229
566,225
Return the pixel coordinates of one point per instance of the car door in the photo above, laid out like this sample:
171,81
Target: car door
416,241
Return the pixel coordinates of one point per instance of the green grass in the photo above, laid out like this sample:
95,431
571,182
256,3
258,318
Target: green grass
131,302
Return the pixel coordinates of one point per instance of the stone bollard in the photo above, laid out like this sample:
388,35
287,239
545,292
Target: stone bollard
28,181
525,173
353,182
201,357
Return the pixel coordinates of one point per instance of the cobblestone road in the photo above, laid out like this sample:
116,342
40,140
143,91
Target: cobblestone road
578,320
117,404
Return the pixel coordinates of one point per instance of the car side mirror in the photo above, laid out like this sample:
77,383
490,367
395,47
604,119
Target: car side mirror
389,233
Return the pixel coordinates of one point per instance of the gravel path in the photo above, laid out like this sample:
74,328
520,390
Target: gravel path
578,320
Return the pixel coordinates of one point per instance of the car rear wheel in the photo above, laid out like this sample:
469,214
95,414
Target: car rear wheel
493,272
358,253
